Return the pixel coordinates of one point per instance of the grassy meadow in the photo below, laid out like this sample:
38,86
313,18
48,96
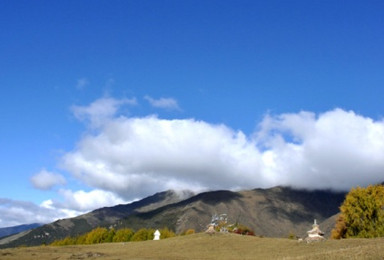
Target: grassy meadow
204,246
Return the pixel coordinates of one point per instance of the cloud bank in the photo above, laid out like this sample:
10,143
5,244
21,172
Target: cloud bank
132,156
15,212
81,201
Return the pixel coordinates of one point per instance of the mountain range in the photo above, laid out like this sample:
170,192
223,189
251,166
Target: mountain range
274,212
7,231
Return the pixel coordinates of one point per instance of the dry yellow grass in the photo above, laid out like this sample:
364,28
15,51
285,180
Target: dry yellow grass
203,246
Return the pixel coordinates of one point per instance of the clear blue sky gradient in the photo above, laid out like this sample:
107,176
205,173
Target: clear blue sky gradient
227,62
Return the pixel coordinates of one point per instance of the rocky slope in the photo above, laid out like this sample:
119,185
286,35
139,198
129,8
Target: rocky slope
275,212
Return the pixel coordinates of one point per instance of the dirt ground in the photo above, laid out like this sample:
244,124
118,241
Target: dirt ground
203,246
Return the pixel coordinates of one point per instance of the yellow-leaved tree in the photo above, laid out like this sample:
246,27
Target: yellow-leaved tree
123,235
362,214
96,236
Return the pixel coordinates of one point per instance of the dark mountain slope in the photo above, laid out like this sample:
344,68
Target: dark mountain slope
17,229
273,212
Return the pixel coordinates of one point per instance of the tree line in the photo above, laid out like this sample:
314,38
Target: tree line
104,235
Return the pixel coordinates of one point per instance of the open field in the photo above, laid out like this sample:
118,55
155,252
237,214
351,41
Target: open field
203,246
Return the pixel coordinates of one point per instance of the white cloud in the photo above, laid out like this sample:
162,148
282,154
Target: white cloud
83,201
45,180
138,156
100,110
14,212
72,204
166,103
337,149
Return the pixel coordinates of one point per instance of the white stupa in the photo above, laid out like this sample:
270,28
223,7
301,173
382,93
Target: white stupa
315,234
156,235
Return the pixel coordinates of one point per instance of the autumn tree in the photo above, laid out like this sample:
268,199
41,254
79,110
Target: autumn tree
110,236
361,214
166,233
150,234
80,240
189,231
123,235
103,235
97,235
64,242
141,235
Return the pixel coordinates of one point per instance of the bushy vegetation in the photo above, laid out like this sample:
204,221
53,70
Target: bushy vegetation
143,234
234,228
103,235
362,214
188,232
243,230
123,235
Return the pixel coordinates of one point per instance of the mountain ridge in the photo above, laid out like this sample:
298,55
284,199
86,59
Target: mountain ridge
273,212
7,231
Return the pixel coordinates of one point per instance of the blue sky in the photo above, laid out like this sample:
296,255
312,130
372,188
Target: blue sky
268,92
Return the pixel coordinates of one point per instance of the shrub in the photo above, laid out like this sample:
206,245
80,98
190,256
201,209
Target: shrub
189,231
243,230
291,235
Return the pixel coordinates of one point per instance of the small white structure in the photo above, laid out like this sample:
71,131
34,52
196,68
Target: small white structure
156,235
211,229
315,234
